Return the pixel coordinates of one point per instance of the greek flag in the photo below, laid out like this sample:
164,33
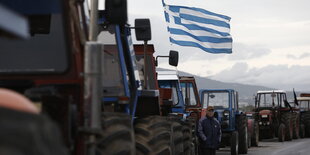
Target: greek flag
198,28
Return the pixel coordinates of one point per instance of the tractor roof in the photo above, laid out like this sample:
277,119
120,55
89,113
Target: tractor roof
303,98
167,75
270,91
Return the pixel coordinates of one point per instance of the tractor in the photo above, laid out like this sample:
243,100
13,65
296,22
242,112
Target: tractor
304,106
233,122
275,115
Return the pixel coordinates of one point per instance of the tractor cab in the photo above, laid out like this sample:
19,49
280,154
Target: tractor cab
45,50
191,97
169,80
268,104
304,103
225,103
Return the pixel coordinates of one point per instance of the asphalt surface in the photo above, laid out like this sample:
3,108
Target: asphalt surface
273,147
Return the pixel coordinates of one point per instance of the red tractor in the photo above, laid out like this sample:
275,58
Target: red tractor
274,115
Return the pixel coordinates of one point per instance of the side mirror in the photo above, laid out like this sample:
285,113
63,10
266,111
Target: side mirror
143,29
173,58
116,11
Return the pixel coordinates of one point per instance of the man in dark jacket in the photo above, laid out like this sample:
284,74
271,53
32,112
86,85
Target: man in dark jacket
209,132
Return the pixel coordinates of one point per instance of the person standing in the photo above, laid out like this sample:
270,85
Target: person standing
209,133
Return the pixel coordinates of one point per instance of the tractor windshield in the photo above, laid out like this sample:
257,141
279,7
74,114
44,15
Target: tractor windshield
219,99
115,76
45,51
267,100
173,85
304,105
188,93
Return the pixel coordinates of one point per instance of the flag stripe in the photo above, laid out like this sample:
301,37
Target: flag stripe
193,26
200,38
205,44
174,16
202,15
175,8
195,44
191,14
199,32
204,20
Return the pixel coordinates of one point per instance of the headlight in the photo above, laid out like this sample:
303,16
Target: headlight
249,115
268,123
226,113
260,123
264,116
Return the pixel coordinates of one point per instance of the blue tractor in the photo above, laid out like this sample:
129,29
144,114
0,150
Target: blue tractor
233,122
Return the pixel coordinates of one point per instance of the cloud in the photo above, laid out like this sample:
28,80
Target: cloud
302,56
273,76
243,51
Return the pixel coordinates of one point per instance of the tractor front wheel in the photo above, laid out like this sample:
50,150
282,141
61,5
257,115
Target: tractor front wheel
296,126
281,133
302,131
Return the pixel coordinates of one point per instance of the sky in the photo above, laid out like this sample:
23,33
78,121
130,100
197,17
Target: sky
271,42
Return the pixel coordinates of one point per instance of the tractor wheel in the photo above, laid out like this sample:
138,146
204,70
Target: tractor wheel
249,139
152,136
243,133
295,125
286,118
302,131
305,116
307,128
188,144
24,133
255,135
176,140
234,143
117,136
194,139
281,133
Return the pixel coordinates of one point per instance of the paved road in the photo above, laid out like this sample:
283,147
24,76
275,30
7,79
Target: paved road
273,147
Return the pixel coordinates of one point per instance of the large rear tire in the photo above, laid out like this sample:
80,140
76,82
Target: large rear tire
234,143
307,128
152,136
117,136
243,134
24,133
286,118
194,139
176,140
187,138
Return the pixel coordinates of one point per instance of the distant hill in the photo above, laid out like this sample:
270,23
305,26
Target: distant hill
245,90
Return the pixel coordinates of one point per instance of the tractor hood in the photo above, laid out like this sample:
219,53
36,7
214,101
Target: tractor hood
265,112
